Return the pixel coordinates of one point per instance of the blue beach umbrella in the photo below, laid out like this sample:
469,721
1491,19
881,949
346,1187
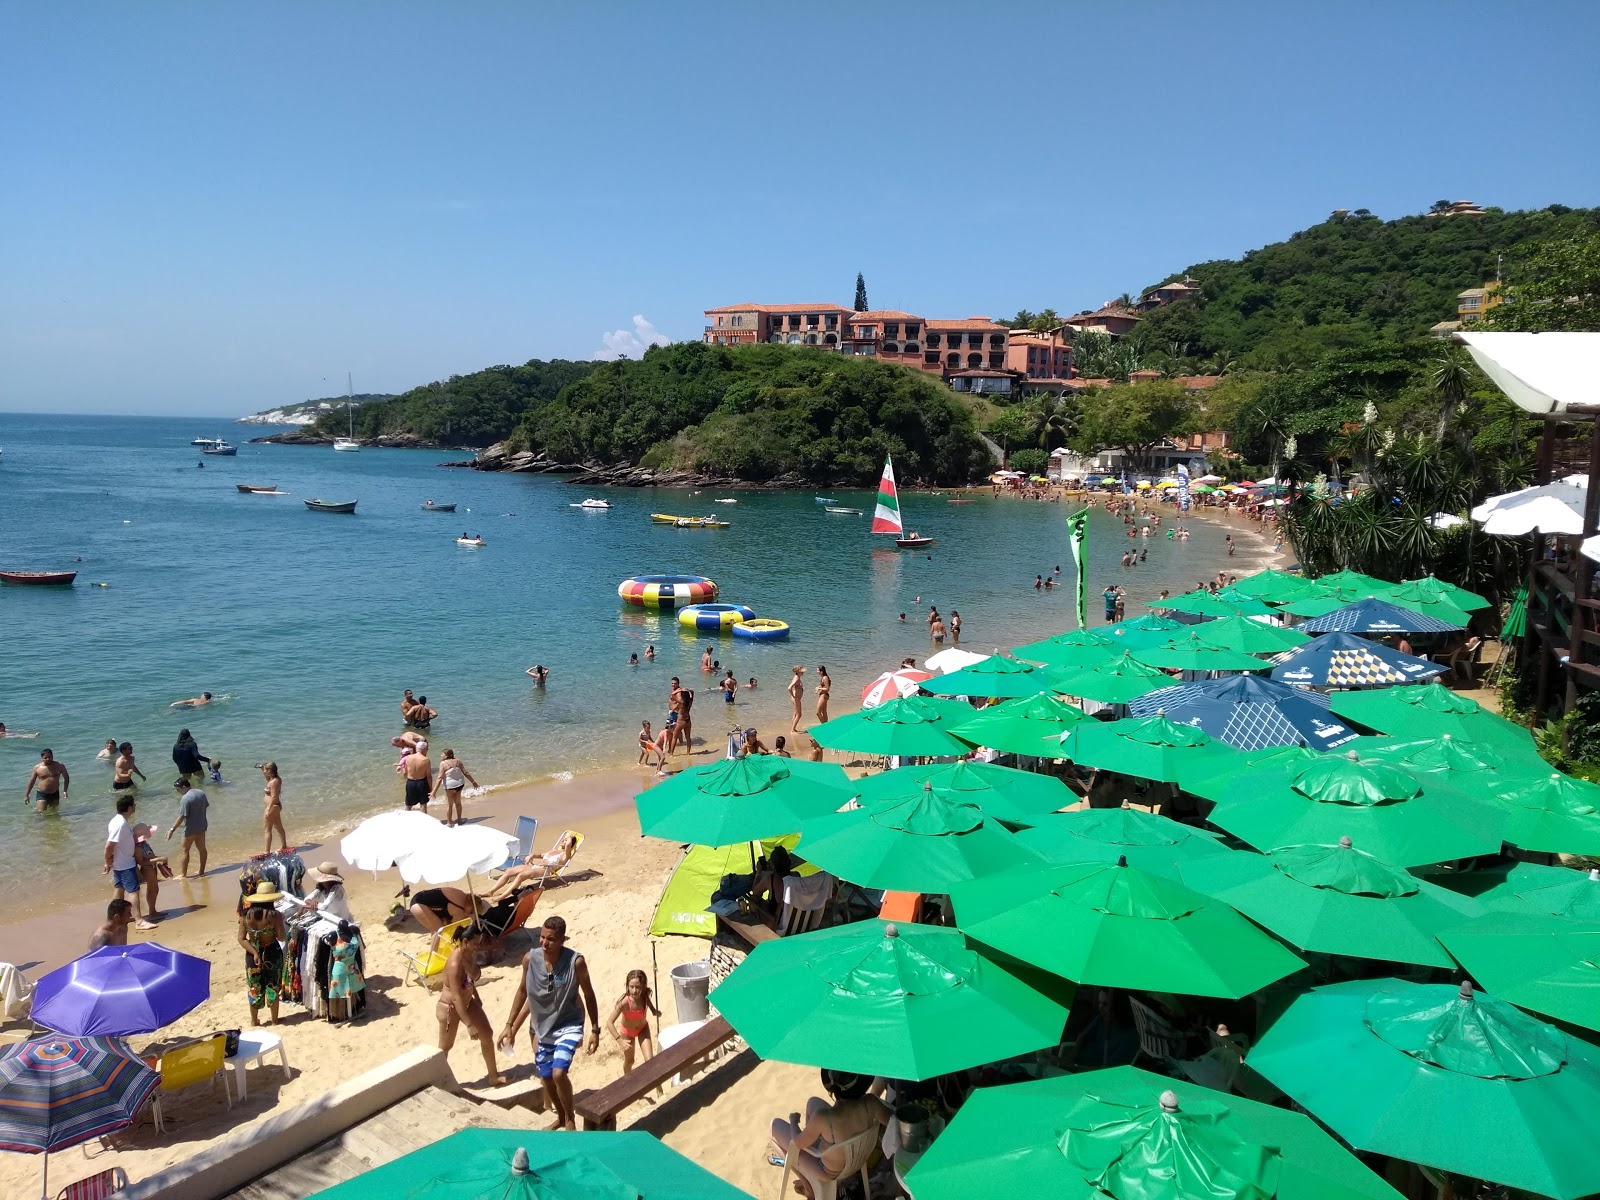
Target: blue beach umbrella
1376,616
118,990
1250,713
1343,660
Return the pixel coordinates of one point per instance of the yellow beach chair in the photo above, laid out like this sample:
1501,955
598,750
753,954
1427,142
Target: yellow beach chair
187,1066
559,874
431,961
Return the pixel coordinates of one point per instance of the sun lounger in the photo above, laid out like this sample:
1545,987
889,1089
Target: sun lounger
525,830
559,874
900,906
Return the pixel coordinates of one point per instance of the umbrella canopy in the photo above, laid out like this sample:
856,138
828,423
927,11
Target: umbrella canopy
1408,598
1027,725
1150,629
1459,762
1335,900
374,844
1075,649
1115,681
518,1164
1241,633
1342,660
1548,965
1432,709
1377,616
1556,814
1148,747
118,990
1353,582
953,659
454,851
1268,585
1427,600
917,843
996,676
1516,617
1149,842
1249,712
915,725
892,685
1554,507
1126,1134
1401,816
742,800
1118,926
1242,768
1444,1077
1194,653
1443,589
1547,891
1004,793
1205,604
873,998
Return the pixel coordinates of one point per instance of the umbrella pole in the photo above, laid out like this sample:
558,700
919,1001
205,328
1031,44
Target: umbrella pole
44,1183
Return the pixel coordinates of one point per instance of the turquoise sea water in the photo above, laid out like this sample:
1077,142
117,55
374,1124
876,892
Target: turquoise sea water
308,626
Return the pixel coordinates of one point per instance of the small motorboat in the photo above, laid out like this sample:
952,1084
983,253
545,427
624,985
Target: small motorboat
914,541
725,500
38,578
842,511
472,541
332,506
204,442
220,447
825,500
592,503
430,506
270,489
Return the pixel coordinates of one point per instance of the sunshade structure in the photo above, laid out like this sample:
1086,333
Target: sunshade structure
374,844
996,676
1191,652
1400,816
1352,583
1459,762
1027,725
1377,616
1441,1076
1426,599
1205,604
953,659
1248,636
1003,793
1555,814
57,1092
1342,660
518,1164
1269,585
1130,1135
1548,965
918,843
1335,900
1103,835
1147,747
1074,650
1554,507
1147,630
892,685
455,851
1408,599
742,799
1531,888
1115,681
915,725
1540,372
1243,767
120,990
1117,926
1443,589
901,1001
1249,713
1516,624
685,904
1432,709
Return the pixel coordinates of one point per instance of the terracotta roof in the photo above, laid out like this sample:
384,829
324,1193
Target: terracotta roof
780,308
884,314
968,323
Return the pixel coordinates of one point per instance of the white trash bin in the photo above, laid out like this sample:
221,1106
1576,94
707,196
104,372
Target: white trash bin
691,989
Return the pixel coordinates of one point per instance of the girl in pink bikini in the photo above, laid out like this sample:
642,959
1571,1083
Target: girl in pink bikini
629,1021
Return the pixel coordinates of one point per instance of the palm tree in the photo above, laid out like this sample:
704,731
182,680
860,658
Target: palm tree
1451,376
1269,416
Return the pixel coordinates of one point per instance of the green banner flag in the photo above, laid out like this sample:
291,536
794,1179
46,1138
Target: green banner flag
1078,530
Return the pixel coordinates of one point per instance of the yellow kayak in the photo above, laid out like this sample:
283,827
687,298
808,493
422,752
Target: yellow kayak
665,518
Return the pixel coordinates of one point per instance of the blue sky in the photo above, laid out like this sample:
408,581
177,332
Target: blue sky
215,207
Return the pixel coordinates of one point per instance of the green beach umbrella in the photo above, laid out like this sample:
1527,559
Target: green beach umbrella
1400,816
1335,900
1307,590
1545,891
1516,625
918,843
519,1164
1443,589
1463,763
1446,1077
1205,604
996,676
1115,681
913,725
741,800
1354,583
1004,793
902,1001
1075,649
1117,926
1148,747
1150,629
1151,843
1548,965
1241,767
1240,633
1126,1134
1426,709
1556,814
1028,725
1269,584
1426,600
1193,653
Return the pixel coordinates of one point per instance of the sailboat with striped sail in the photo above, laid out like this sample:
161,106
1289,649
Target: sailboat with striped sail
886,517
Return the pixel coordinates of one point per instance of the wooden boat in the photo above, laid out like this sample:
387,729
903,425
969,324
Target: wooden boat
886,517
38,578
843,512
220,447
332,506
430,506
270,489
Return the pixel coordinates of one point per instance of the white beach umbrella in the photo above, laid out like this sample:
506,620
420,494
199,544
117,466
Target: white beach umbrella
1570,490
947,661
892,684
1444,520
1547,511
377,842
455,851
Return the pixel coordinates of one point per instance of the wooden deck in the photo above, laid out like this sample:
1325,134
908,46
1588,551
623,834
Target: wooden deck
417,1121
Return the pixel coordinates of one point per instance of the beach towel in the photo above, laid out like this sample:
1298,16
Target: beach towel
807,893
16,993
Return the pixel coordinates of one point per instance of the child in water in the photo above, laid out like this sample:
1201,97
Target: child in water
632,1013
216,770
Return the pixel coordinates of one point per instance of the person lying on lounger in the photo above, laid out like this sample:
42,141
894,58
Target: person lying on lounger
537,871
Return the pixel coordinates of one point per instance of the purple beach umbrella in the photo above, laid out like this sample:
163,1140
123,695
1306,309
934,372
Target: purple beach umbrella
118,990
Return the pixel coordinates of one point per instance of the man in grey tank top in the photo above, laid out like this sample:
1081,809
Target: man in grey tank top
556,991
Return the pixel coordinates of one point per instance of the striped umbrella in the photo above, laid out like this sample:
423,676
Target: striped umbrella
892,685
56,1092
1378,616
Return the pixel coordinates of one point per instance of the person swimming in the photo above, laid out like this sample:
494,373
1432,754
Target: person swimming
192,701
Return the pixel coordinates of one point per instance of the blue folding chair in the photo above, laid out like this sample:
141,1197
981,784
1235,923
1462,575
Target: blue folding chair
526,828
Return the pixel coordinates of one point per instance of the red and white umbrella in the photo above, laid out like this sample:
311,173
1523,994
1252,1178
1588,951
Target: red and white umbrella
892,685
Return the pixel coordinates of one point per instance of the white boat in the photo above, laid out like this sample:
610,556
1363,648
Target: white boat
348,444
220,447
729,500
209,443
843,512
592,503
473,541
886,517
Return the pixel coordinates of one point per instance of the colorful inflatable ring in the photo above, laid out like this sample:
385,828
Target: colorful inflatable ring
666,591
761,629
714,617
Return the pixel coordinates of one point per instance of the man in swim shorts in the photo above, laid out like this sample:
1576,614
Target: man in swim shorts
47,783
557,992
418,770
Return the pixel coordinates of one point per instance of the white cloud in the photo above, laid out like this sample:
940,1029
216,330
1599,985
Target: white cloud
632,342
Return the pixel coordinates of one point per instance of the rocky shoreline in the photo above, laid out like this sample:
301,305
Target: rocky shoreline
398,441
499,458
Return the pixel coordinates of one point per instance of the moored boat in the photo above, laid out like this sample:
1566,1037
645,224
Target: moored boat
430,506
886,517
591,503
842,511
223,448
270,489
332,506
666,518
38,578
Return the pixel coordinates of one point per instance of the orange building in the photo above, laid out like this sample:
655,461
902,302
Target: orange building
1039,356
794,324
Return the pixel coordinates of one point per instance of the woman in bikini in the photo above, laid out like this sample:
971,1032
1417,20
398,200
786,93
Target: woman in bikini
459,1003
537,871
797,689
272,806
124,769
453,776
633,1011
824,690
434,908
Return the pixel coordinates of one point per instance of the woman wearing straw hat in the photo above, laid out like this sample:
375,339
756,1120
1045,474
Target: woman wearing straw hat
261,934
328,897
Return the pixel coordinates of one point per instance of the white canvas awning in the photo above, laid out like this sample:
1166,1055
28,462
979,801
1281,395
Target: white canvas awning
1544,373
1555,507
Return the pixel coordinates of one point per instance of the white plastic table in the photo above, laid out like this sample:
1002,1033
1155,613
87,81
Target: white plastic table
254,1046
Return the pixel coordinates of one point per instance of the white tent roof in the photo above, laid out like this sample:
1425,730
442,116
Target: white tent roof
1550,508
1540,372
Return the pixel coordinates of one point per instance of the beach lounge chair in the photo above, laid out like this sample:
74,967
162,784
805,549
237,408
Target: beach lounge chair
97,1187
525,830
900,906
1159,1040
858,1152
431,961
505,918
190,1065
559,874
